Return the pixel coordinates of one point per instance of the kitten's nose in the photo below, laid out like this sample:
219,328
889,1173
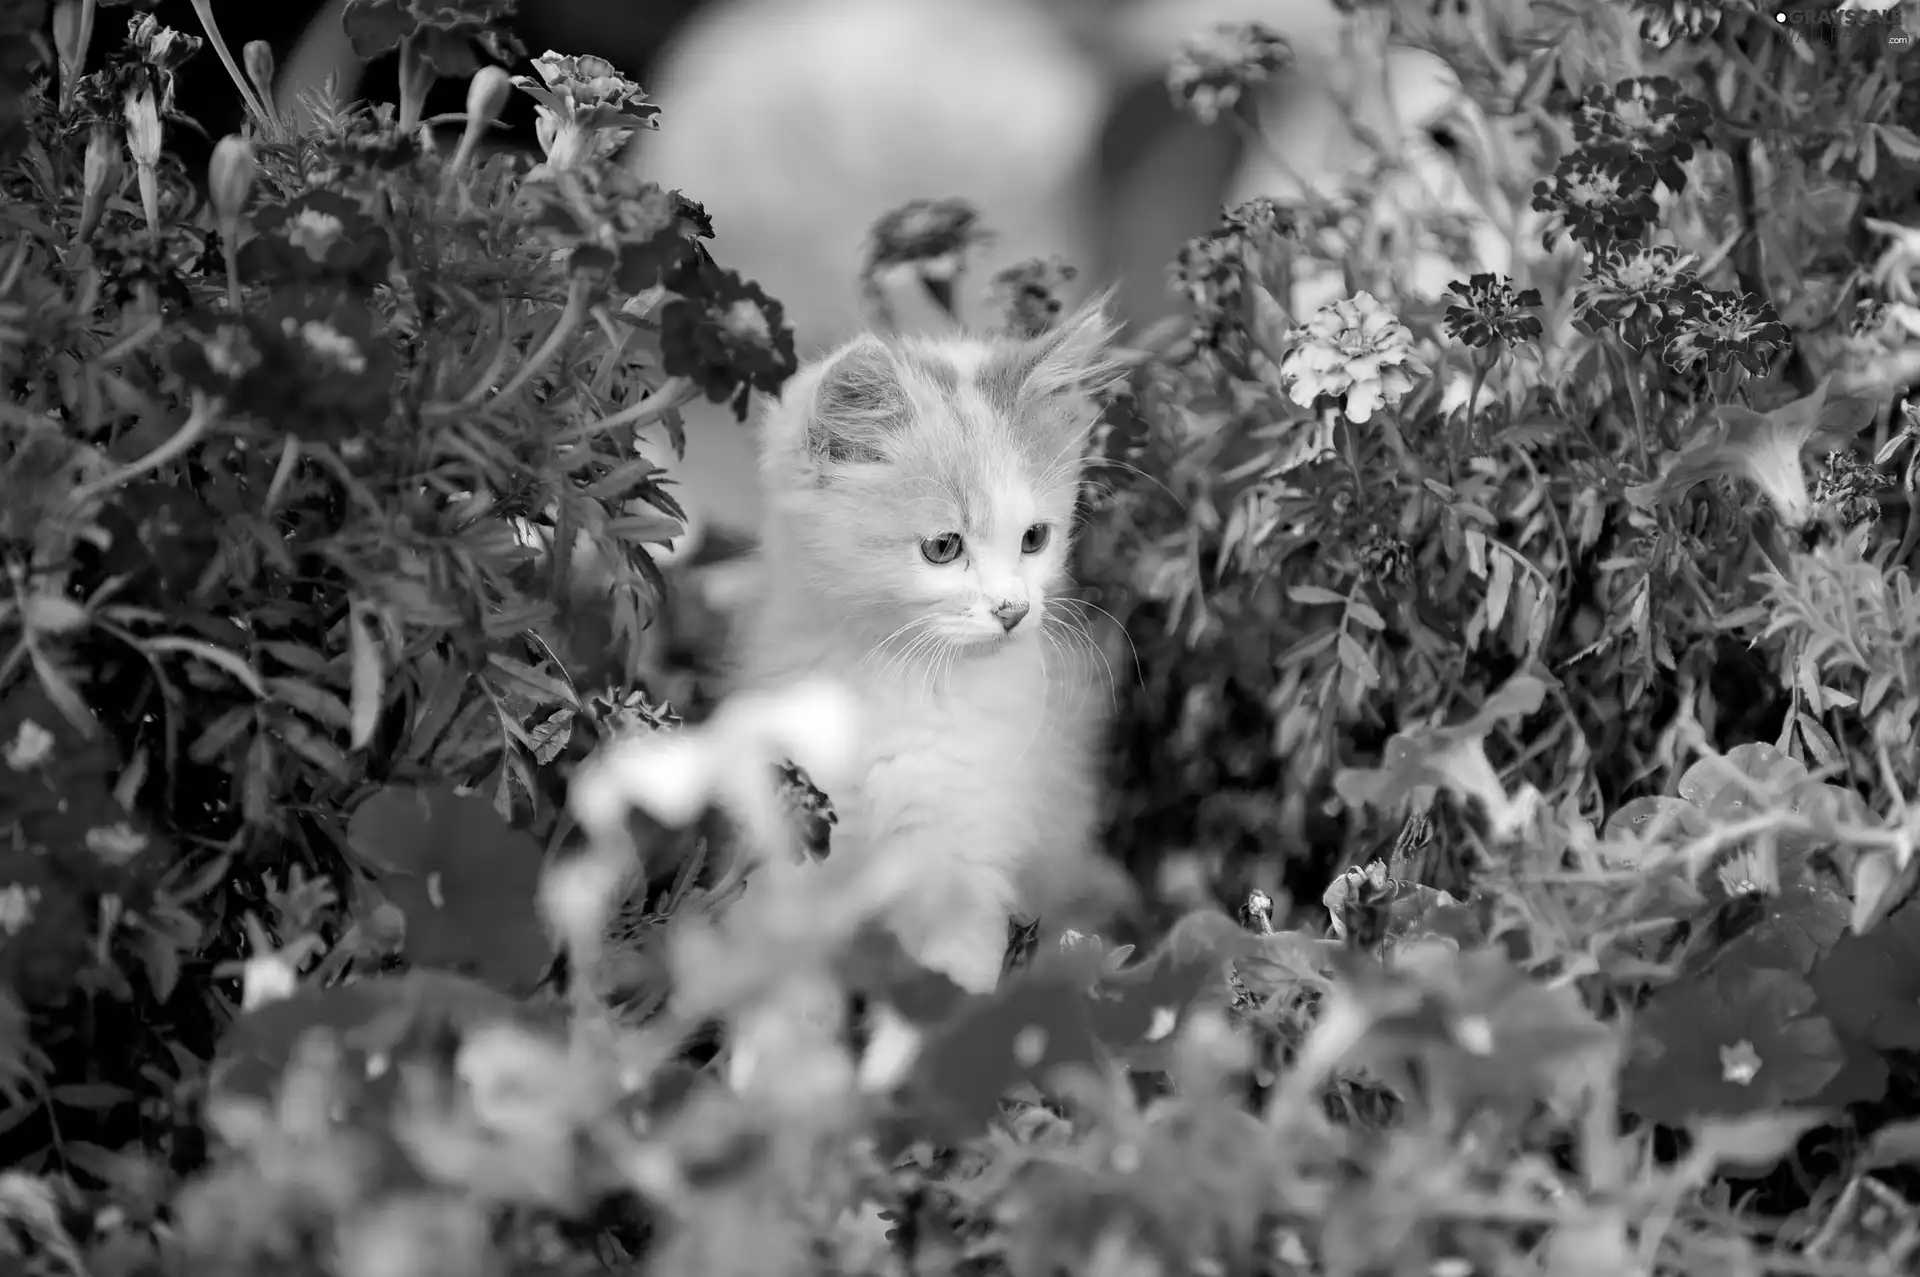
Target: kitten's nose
1011,614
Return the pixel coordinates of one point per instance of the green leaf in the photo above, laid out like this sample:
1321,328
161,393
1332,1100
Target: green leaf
390,1019
1752,1145
464,878
1869,985
1039,1023
1451,758
1900,141
1737,1040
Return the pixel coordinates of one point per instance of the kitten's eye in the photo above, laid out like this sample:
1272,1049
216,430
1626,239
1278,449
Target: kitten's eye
944,548
1036,539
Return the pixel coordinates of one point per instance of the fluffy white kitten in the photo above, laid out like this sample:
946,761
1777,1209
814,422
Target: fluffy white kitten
920,497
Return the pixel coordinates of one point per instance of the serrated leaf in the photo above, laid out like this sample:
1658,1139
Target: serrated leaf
1315,596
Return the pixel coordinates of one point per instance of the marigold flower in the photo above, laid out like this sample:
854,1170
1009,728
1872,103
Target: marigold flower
1210,70
1636,291
320,236
1355,351
931,238
1489,310
1721,329
1600,196
316,367
1210,272
1848,485
586,109
729,338
1643,121
1029,294
1665,22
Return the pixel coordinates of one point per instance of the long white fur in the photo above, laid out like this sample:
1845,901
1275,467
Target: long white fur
977,761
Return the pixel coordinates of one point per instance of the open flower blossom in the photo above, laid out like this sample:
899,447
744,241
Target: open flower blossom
1212,69
1766,448
1897,269
586,109
1355,351
1636,291
1720,329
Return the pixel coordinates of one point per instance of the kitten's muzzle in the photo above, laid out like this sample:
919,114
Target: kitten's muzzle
1010,614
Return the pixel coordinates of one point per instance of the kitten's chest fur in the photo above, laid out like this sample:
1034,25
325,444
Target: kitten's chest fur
993,748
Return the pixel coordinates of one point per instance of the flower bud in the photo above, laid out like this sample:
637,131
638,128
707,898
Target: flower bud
230,178
100,176
258,59
487,96
143,127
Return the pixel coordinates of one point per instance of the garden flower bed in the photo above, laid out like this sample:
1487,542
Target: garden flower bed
1514,750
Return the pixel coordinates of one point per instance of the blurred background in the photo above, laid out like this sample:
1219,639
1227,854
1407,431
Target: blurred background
798,122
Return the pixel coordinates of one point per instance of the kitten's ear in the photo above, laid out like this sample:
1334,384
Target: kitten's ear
1077,354
857,403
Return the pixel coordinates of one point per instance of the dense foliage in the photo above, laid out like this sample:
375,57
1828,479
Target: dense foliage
1547,634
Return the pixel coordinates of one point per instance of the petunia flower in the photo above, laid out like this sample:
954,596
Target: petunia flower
1764,448
1355,351
1737,1040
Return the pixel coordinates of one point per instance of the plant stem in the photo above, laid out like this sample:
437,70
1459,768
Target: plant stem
577,293
83,39
149,179
198,422
416,78
667,396
1630,374
203,9
230,257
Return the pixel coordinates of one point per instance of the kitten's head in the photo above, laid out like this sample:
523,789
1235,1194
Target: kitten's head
924,488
